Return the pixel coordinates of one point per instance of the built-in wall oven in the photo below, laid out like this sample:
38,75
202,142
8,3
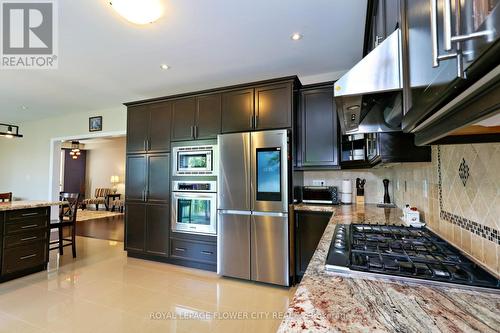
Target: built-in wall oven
199,160
194,207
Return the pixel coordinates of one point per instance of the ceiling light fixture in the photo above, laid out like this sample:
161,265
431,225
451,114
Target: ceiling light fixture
138,11
75,150
296,36
164,67
10,132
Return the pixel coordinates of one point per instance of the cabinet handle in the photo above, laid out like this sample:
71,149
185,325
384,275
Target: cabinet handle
27,257
180,249
29,226
256,121
144,145
196,131
28,238
378,40
208,253
29,214
148,145
192,132
251,121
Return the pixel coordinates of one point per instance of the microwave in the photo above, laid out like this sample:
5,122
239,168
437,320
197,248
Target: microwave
194,160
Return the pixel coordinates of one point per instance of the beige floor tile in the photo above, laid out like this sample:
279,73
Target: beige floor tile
105,291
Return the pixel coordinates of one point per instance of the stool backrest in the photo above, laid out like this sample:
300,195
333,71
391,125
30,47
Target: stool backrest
68,211
4,197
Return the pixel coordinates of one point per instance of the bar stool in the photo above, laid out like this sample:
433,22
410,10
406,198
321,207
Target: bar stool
67,218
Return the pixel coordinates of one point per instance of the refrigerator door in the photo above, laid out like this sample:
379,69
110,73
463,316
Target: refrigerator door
269,249
234,244
269,180
234,171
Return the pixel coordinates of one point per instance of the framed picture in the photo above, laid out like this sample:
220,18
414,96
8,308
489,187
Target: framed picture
95,124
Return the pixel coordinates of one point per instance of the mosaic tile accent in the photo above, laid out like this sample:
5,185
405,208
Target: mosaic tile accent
463,171
483,231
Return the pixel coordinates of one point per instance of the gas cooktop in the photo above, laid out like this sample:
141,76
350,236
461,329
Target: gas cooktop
404,252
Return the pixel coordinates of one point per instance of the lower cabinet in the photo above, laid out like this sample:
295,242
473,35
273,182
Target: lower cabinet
147,228
23,242
309,228
199,251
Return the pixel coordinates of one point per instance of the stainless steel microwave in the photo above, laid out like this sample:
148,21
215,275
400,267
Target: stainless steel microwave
194,160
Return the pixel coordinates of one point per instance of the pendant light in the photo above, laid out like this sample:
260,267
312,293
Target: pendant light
75,150
9,131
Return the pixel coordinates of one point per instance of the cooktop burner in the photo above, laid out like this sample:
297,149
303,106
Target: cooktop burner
404,252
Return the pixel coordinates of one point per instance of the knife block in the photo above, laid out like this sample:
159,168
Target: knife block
360,200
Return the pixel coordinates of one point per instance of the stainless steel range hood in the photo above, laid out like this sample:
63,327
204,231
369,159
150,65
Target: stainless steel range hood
369,96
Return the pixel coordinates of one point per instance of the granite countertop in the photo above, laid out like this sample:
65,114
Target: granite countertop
15,205
332,302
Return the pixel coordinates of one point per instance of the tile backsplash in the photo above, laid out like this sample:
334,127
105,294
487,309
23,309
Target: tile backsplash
457,194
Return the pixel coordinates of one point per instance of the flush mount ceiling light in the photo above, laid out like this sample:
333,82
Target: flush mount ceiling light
138,11
296,36
10,131
164,67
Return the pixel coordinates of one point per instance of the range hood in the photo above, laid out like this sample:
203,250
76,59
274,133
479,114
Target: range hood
369,96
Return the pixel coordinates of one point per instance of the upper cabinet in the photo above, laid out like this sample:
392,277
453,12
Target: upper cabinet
260,108
382,19
196,117
317,145
148,128
237,110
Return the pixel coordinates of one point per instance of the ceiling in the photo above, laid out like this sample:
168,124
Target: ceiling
105,60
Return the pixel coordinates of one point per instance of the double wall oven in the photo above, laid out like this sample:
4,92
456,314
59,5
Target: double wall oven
194,187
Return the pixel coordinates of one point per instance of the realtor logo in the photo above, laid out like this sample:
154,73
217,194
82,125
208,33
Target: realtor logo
29,31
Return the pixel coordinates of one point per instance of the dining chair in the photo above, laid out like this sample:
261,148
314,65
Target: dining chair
67,218
4,197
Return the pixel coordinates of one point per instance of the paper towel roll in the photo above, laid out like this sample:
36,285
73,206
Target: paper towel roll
346,186
346,192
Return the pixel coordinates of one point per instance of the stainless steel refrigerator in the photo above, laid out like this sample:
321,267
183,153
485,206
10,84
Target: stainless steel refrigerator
253,241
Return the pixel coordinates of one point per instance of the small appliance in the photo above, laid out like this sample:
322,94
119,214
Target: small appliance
318,194
195,160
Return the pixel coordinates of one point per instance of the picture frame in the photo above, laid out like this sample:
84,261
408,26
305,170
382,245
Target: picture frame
95,124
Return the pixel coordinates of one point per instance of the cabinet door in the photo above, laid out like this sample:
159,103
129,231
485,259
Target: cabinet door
319,132
158,178
183,113
157,229
135,227
273,106
237,111
135,188
208,116
309,230
137,128
159,127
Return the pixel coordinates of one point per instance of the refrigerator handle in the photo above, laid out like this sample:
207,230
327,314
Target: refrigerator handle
274,214
234,212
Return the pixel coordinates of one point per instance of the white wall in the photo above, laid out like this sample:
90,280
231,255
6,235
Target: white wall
105,158
25,162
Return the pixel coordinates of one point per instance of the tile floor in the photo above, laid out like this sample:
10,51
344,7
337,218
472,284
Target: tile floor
104,291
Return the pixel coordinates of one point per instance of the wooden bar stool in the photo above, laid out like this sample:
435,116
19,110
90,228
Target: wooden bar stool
67,218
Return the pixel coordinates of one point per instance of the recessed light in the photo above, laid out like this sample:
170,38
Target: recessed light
296,36
24,107
164,66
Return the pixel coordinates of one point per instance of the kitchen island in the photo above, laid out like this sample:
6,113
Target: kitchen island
24,237
334,302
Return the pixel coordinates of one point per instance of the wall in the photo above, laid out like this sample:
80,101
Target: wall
24,163
105,158
467,215
464,212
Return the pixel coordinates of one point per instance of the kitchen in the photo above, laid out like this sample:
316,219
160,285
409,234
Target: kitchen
369,199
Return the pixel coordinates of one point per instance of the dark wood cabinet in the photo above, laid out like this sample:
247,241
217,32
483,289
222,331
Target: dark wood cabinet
159,127
383,18
309,228
157,229
318,128
137,128
135,227
194,250
24,242
183,116
136,178
158,188
148,128
237,110
208,116
273,106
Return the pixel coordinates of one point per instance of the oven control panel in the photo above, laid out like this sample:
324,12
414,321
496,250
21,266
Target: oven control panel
194,186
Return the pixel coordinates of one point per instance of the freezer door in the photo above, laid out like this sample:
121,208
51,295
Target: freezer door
234,244
269,180
234,171
269,250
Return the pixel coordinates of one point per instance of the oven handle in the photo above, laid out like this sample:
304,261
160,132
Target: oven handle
195,195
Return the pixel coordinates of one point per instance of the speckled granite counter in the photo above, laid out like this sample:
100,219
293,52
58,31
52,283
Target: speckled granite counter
15,205
329,302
